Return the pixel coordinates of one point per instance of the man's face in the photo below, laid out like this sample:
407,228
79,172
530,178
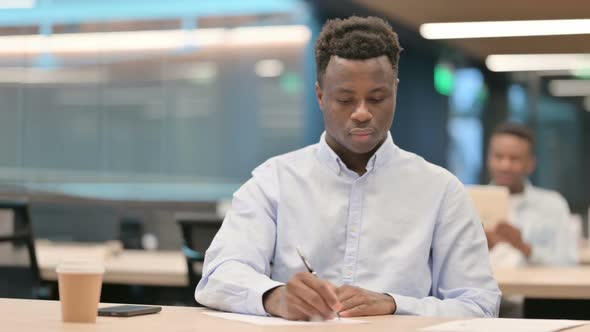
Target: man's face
357,99
510,160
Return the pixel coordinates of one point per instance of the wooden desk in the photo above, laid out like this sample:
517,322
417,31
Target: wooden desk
133,267
584,255
546,282
35,315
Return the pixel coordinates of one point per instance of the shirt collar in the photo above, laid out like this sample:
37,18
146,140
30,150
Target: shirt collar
382,157
528,188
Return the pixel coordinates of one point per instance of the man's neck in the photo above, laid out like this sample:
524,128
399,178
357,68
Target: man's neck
517,188
356,162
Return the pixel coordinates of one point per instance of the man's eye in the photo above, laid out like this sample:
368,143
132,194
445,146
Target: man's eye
345,101
375,100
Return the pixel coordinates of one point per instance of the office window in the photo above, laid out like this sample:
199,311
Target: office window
465,127
122,104
518,104
559,147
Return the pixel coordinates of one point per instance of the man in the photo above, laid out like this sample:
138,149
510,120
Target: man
538,226
385,231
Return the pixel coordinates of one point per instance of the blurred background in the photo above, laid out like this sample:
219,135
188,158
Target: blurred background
118,116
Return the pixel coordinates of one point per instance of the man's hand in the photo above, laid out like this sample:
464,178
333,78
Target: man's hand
361,302
305,297
513,236
493,238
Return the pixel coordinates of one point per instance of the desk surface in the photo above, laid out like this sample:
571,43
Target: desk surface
134,267
36,315
31,315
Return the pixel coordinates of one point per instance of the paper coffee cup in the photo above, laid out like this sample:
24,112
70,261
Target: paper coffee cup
80,283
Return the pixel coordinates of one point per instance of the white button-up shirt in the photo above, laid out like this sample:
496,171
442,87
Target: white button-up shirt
543,218
406,227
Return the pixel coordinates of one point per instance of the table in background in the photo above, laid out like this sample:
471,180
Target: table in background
168,268
550,292
584,255
545,282
137,276
131,267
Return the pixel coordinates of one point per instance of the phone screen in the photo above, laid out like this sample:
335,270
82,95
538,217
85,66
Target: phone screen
128,310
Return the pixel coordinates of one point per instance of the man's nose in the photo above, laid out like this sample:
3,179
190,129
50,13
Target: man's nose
505,163
361,113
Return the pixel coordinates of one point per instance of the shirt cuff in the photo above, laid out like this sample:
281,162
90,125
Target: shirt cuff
404,305
257,291
536,257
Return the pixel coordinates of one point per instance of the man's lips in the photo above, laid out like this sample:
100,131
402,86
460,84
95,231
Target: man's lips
504,177
362,131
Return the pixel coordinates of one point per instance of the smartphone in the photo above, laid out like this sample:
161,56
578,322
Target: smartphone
128,310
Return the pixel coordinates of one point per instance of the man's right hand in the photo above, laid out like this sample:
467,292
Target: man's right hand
493,238
304,297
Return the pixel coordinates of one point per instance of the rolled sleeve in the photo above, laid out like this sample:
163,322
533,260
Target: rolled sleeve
256,293
236,271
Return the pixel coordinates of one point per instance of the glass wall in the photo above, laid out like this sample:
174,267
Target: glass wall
195,100
465,156
559,129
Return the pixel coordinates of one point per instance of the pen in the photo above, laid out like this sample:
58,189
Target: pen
310,270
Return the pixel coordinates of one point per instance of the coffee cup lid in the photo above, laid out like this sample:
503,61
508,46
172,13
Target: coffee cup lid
81,266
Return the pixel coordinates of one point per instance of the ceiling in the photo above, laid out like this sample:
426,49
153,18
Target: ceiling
413,13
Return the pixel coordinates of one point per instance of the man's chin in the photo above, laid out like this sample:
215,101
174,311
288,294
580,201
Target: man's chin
505,183
362,148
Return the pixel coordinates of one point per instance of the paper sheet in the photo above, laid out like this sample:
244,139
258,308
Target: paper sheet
505,324
275,321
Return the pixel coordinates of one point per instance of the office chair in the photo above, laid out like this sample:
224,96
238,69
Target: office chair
23,282
198,230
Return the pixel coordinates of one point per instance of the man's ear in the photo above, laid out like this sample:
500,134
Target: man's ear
319,94
532,164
